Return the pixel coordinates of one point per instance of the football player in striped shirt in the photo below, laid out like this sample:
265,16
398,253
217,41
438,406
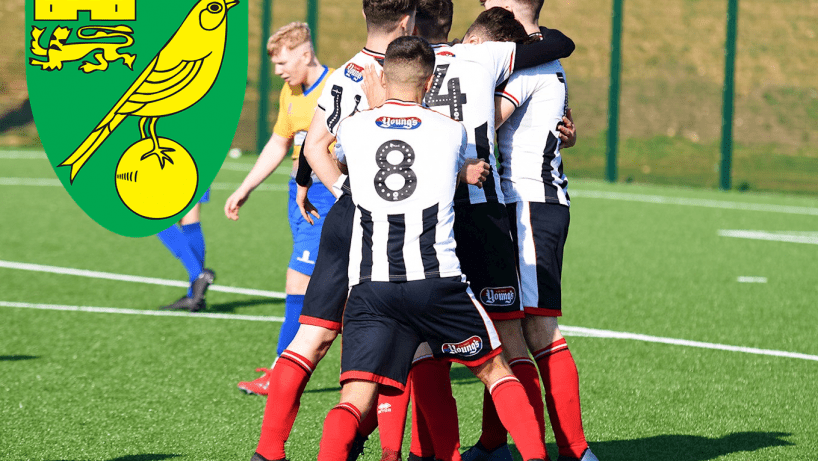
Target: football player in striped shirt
463,87
405,278
292,53
534,106
326,293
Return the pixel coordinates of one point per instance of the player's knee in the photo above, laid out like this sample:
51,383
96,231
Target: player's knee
540,331
296,282
312,341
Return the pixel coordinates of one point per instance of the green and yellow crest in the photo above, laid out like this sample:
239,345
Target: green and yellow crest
136,101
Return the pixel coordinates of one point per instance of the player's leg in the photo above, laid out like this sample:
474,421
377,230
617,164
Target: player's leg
460,330
434,409
378,348
342,422
492,274
541,230
186,242
320,320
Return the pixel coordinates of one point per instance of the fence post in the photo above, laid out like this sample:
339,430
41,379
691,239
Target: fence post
312,20
613,94
262,132
729,92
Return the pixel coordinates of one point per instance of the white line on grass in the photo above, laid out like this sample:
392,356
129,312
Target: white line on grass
656,199
567,330
728,205
53,182
790,237
752,280
114,310
134,278
591,332
22,155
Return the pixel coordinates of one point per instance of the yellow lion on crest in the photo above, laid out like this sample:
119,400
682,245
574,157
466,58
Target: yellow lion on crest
60,52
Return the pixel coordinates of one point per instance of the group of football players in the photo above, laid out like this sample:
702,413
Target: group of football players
432,253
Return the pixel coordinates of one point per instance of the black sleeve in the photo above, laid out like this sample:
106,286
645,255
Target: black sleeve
304,173
554,45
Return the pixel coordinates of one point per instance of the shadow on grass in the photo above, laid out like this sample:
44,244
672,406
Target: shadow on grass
232,306
16,358
322,390
680,447
148,457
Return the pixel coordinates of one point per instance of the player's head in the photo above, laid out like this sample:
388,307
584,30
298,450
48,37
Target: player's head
433,20
290,49
495,25
525,10
390,16
408,64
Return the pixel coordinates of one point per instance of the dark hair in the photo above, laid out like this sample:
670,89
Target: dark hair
385,13
434,18
498,25
534,5
409,58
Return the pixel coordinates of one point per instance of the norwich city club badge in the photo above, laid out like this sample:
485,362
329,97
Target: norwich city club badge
136,101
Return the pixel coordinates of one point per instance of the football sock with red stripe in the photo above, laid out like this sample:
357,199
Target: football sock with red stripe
432,391
494,434
288,379
340,428
561,383
421,445
518,417
368,424
392,407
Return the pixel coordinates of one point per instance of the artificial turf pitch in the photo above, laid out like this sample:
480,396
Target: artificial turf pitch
639,259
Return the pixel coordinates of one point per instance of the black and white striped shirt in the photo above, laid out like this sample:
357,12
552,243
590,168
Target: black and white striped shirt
403,162
531,164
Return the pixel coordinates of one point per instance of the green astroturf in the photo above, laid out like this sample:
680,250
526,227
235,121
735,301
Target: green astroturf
94,386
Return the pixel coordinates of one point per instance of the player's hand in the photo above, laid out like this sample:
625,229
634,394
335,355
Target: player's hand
475,172
307,208
234,202
373,87
568,131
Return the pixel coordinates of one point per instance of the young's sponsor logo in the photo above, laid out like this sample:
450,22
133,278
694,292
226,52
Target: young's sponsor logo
467,348
502,296
354,72
401,123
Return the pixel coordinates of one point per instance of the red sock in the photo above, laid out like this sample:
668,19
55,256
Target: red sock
421,445
517,416
287,382
432,391
525,370
340,428
391,418
561,383
369,424
494,434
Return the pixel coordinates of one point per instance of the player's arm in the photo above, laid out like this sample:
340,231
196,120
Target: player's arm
316,153
503,108
554,45
270,158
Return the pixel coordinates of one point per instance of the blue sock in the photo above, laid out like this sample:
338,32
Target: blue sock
175,241
293,305
195,239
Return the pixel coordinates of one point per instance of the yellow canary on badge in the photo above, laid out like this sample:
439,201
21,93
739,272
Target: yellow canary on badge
182,72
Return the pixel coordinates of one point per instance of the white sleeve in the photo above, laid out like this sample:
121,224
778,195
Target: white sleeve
340,98
464,143
499,57
339,148
518,89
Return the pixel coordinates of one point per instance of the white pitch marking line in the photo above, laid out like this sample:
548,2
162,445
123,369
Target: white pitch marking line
658,199
53,182
591,332
570,331
22,155
134,278
745,279
114,310
794,237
